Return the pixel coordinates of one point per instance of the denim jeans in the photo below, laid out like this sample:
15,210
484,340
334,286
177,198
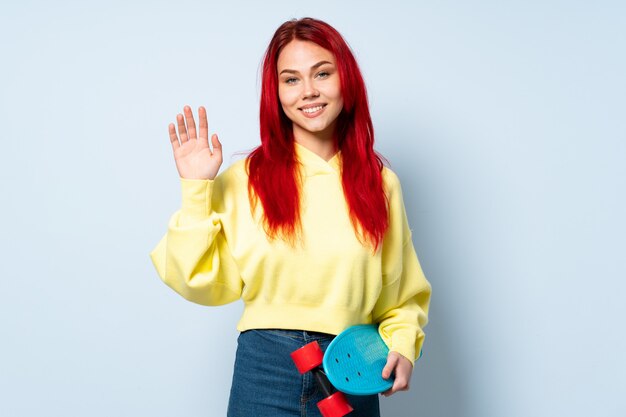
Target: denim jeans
266,382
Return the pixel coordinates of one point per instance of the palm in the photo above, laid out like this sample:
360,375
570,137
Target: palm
194,159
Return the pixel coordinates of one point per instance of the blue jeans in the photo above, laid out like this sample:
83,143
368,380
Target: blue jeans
266,382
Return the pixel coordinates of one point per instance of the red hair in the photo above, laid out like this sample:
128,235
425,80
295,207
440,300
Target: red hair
272,166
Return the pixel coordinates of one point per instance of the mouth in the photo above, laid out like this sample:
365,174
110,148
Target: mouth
313,111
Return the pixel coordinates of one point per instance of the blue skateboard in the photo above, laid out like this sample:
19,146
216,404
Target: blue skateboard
353,364
355,359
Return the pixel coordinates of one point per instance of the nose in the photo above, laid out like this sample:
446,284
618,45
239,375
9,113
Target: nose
309,90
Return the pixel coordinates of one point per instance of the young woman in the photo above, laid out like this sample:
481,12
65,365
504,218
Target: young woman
310,230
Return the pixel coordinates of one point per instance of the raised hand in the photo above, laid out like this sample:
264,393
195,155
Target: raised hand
194,159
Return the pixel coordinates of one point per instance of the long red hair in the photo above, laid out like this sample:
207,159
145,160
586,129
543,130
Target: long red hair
273,167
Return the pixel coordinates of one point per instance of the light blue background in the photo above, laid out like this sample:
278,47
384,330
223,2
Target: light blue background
505,121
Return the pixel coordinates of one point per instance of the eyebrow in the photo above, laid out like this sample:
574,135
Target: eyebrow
319,64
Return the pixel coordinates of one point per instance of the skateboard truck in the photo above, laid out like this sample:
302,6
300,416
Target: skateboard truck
310,358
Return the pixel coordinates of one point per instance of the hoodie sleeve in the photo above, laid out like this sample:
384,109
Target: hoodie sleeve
193,257
402,306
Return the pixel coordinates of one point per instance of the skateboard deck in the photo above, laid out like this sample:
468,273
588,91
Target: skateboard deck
354,361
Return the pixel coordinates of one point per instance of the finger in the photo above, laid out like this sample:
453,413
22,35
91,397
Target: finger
400,384
182,130
204,125
217,146
191,125
173,137
392,361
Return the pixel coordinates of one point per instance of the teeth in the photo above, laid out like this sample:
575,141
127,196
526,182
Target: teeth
312,109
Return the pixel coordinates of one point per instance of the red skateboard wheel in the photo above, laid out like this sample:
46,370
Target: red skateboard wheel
334,406
308,357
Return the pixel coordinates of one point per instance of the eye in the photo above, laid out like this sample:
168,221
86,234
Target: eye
289,80
323,74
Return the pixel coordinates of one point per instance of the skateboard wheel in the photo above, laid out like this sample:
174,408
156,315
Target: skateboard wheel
334,406
308,357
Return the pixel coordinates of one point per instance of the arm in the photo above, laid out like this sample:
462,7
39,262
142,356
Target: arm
193,258
402,306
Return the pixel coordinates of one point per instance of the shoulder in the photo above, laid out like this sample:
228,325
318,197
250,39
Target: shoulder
232,181
391,182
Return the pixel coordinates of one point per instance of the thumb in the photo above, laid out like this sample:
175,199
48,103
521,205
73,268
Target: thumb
216,143
392,360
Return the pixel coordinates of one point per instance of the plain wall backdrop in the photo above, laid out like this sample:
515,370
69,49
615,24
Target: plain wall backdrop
505,121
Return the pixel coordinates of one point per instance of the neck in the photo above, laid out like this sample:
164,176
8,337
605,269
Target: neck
321,143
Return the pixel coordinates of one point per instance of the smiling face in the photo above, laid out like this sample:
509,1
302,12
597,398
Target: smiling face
309,89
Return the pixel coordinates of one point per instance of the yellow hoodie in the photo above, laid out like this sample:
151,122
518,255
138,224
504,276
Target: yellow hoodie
215,252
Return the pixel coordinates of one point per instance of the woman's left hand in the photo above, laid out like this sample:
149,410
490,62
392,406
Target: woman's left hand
402,368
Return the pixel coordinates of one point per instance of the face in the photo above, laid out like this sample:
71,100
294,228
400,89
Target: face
309,88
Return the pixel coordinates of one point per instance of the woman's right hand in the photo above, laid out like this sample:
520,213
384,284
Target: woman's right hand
194,159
